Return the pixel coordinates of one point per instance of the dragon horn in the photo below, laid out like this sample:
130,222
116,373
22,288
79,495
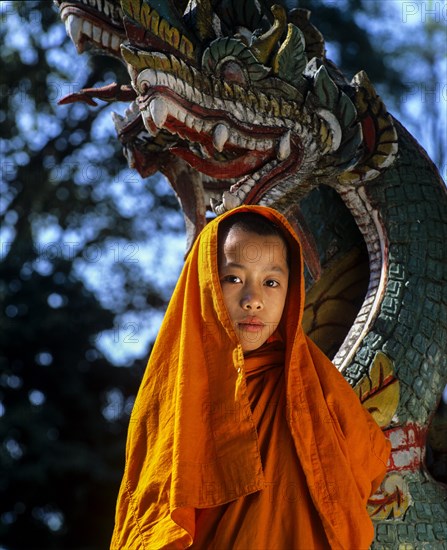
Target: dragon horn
263,46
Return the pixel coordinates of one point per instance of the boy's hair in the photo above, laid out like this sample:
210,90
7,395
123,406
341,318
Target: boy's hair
251,222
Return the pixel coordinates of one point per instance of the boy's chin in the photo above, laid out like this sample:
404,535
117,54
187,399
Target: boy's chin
248,346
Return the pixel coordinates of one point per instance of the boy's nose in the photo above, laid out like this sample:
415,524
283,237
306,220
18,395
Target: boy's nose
252,302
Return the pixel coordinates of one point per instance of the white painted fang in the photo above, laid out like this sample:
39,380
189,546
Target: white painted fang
159,111
147,119
73,26
220,136
284,147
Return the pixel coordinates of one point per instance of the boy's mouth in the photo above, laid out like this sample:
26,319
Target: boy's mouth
251,324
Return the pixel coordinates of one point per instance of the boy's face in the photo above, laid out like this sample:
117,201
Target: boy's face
254,276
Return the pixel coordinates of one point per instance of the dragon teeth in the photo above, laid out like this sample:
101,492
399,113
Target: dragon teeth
105,39
284,146
147,119
230,201
180,115
118,120
198,125
132,110
87,28
159,111
76,27
216,206
73,26
220,136
115,43
97,34
189,120
246,187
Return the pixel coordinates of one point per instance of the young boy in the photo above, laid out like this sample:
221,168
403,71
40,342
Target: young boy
244,435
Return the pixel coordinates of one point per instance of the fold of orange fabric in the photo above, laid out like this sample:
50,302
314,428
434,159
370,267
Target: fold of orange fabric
192,441
270,354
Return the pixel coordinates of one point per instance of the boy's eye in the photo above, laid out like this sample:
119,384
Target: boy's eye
231,279
271,283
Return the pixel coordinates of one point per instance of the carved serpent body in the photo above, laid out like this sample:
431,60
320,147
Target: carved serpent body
235,103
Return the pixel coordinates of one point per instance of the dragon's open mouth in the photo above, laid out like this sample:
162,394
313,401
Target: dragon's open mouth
94,24
218,145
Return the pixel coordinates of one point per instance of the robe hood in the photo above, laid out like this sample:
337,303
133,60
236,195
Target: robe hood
192,441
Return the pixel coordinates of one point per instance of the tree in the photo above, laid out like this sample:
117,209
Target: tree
410,38
64,405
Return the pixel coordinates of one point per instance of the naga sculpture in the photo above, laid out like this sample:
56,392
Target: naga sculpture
235,102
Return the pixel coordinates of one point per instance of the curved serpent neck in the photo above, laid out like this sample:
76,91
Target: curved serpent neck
403,218
407,208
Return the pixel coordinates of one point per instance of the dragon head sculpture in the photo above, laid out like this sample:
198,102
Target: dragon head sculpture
241,93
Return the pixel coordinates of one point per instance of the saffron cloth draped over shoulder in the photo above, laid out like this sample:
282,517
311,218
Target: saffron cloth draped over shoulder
202,450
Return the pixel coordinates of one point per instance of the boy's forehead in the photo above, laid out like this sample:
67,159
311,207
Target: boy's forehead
237,235
242,246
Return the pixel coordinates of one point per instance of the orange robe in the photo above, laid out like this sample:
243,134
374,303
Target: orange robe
282,516
231,452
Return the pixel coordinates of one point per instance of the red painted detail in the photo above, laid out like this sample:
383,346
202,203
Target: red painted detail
245,161
216,115
281,171
408,447
228,169
144,165
382,385
111,92
381,502
369,133
238,162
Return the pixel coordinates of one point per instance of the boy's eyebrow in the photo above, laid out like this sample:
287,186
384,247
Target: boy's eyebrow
233,265
277,268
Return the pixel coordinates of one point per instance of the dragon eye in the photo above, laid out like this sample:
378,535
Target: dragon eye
231,71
